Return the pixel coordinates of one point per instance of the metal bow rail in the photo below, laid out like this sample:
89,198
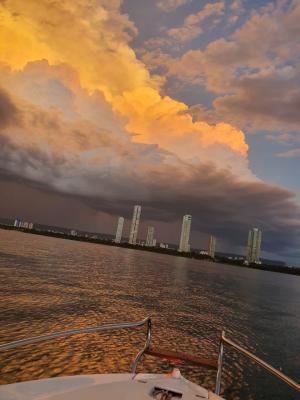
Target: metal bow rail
255,359
169,355
92,329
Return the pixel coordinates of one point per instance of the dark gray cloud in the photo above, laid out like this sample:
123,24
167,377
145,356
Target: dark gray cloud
219,202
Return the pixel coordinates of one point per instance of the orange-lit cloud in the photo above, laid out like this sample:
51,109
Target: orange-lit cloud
93,39
90,36
162,120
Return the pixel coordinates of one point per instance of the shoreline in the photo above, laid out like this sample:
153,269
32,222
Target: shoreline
171,252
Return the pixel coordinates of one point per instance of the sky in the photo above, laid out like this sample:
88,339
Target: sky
182,106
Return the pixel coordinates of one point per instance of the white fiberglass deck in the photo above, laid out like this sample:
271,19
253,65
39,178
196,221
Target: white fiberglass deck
108,386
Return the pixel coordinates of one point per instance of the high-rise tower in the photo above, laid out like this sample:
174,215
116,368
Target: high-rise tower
184,245
150,236
135,224
211,246
119,231
253,247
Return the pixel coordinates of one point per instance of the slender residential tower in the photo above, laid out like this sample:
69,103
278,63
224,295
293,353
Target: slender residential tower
211,246
184,245
150,236
119,231
135,224
253,248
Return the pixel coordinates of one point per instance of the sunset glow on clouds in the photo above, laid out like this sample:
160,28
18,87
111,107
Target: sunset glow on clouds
87,113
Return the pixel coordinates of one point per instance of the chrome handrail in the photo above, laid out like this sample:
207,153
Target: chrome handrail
99,328
220,365
254,358
146,346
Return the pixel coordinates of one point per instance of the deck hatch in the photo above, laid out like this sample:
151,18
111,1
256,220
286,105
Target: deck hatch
160,393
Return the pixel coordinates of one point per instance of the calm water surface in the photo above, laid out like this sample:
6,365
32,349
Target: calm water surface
50,284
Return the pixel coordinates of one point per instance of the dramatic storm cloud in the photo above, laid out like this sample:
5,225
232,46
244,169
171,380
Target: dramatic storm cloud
84,122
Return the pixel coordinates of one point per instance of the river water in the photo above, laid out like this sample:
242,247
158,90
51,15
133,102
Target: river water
50,284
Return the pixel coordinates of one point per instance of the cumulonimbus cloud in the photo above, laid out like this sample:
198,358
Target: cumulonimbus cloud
110,173
106,63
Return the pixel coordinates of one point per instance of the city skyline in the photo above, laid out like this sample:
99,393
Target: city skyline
252,248
149,238
175,105
252,254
